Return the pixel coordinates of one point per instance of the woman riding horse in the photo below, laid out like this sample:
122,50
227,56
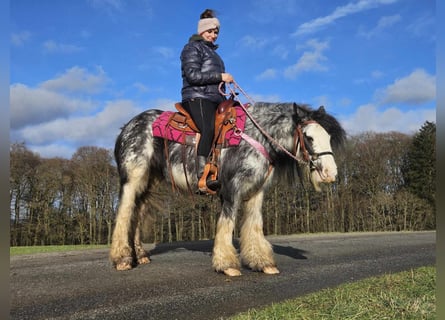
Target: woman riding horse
202,71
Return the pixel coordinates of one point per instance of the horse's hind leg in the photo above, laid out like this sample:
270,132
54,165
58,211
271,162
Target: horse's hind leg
122,253
256,251
141,255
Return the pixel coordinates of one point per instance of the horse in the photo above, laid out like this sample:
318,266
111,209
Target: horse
294,138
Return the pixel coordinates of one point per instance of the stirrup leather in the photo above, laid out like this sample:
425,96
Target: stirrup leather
210,173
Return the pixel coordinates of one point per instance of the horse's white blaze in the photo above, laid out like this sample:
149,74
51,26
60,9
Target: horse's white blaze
321,142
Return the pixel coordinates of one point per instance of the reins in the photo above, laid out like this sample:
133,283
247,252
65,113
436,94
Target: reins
306,159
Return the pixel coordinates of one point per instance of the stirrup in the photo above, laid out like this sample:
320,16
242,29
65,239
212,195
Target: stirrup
202,183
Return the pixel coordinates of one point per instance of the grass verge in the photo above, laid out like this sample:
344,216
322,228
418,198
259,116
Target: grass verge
405,295
13,251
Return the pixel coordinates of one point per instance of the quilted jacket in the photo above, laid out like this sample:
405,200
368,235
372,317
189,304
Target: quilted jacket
201,69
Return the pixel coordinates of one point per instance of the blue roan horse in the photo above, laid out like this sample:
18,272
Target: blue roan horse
244,172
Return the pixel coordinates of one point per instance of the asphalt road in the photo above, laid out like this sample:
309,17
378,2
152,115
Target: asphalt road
180,284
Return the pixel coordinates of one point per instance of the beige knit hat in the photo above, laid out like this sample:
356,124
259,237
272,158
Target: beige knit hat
207,24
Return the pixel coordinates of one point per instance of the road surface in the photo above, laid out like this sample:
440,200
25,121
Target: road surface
179,283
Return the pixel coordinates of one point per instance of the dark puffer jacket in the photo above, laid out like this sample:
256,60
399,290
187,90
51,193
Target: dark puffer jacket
201,70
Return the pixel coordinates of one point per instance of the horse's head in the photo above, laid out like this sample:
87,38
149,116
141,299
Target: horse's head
313,144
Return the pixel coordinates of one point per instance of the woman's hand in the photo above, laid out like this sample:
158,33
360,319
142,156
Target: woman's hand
227,77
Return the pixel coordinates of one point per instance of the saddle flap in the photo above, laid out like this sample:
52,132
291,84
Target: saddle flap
184,117
179,118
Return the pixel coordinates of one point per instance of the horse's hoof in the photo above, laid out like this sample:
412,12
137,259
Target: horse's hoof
271,270
143,260
123,266
231,272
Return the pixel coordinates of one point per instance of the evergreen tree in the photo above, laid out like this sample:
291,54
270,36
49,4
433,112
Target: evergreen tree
419,168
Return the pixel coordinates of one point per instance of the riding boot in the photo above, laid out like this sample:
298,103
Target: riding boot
200,166
213,185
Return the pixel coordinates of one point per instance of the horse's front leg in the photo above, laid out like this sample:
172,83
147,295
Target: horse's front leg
225,258
256,251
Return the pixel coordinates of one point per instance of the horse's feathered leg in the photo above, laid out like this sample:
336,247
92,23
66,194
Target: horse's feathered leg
225,258
256,251
141,254
122,253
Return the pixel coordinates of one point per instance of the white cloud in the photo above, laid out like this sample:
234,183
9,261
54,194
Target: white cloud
344,102
264,98
78,79
388,21
322,101
339,12
19,39
162,104
416,88
99,129
165,52
55,98
38,105
266,11
424,27
267,74
383,24
51,46
369,118
107,5
253,42
53,150
311,60
377,74
280,51
55,118
141,87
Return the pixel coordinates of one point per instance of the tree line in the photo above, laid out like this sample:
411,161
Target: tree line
386,182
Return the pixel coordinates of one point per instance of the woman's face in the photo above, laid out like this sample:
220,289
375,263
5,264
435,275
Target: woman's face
210,35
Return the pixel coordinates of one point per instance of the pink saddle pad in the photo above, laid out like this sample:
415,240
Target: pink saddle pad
161,128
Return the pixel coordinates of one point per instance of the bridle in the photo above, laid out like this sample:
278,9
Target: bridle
303,154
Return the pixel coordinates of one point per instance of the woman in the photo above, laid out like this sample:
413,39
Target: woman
202,72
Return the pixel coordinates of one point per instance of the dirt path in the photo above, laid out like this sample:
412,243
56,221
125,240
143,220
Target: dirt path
180,284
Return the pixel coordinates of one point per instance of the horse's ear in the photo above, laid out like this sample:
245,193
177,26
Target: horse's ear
300,112
321,110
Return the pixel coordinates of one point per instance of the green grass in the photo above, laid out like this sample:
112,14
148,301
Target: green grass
405,295
13,251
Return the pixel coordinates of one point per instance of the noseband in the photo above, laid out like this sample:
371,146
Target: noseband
309,157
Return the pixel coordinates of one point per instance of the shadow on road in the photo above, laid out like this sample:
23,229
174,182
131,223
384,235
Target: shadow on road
206,246
290,252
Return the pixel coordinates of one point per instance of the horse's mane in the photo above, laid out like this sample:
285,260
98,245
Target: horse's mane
328,122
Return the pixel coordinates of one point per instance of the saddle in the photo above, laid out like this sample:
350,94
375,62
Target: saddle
225,120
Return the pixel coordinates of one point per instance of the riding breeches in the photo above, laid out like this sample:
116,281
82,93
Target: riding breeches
203,112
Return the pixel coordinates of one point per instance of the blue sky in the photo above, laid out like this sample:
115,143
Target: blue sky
80,69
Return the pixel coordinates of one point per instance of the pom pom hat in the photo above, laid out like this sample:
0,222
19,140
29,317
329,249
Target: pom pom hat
207,24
